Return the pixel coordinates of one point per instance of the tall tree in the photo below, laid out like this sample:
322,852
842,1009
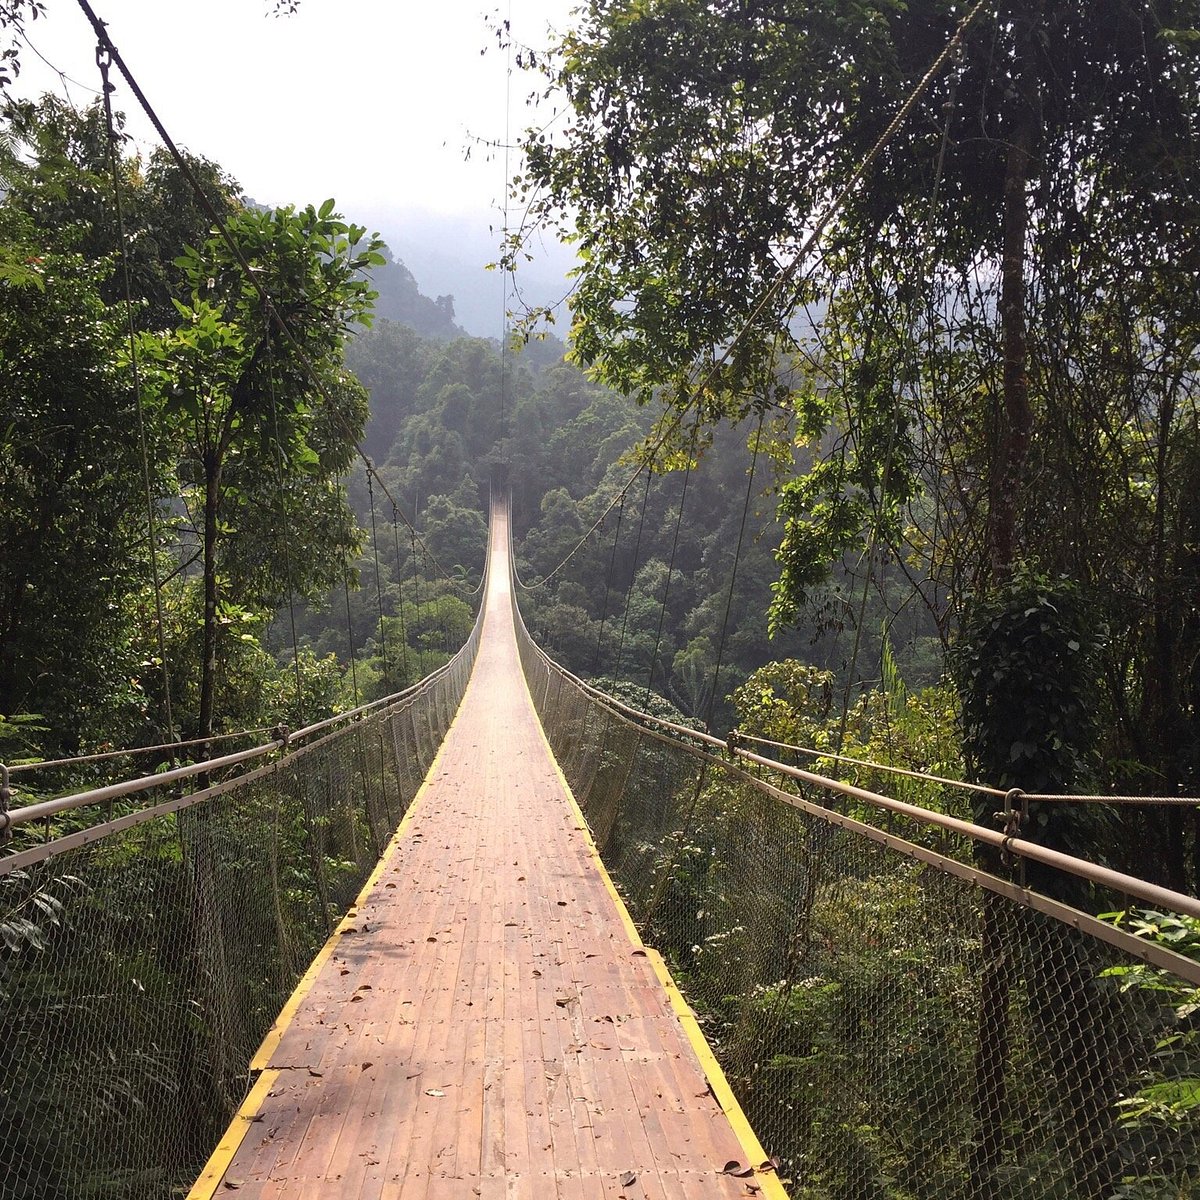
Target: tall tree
704,139
265,423
72,534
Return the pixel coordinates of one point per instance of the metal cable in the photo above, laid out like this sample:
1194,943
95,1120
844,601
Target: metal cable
350,635
637,554
107,755
676,417
103,62
789,272
400,592
387,668
287,554
737,555
662,612
250,275
981,788
612,562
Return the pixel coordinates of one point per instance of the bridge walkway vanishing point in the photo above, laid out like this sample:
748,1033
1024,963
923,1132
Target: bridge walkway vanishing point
486,1021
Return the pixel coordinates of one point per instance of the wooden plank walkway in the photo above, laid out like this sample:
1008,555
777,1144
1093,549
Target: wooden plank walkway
486,1021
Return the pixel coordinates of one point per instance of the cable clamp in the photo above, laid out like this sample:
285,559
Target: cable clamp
1010,817
104,62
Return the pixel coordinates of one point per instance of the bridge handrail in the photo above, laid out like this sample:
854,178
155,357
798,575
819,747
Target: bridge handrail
704,744
286,739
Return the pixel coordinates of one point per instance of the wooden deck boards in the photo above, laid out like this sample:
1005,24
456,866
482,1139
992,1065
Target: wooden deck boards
486,1025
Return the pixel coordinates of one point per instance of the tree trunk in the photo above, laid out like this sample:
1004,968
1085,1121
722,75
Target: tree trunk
1007,477
1008,466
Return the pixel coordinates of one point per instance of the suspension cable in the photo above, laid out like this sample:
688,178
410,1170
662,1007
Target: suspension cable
662,611
350,635
504,346
924,776
737,555
285,538
400,593
416,582
107,755
612,562
250,275
387,667
637,554
103,61
676,418
790,271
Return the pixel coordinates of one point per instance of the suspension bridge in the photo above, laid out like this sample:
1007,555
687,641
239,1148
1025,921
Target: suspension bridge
440,946
486,1020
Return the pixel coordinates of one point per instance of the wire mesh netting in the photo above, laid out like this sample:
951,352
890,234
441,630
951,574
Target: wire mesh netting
140,970
895,1022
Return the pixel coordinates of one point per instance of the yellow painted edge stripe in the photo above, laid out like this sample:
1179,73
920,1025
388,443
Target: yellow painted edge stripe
222,1156
769,1183
219,1161
767,1180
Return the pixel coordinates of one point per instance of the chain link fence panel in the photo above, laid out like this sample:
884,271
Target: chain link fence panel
897,1022
146,949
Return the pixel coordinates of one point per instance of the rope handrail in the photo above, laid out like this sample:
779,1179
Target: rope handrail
48,808
982,788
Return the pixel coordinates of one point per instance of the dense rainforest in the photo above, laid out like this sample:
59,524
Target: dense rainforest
681,578
931,499
83,666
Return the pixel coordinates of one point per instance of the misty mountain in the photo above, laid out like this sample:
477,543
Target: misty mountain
401,299
447,257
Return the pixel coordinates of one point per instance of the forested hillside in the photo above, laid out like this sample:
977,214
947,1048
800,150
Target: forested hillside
173,467
1000,404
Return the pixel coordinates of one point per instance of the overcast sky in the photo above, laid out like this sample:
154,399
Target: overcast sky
373,102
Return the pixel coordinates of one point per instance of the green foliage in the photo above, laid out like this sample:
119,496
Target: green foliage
235,394
63,183
1027,672
1027,662
962,408
799,705
20,737
73,508
1161,1108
